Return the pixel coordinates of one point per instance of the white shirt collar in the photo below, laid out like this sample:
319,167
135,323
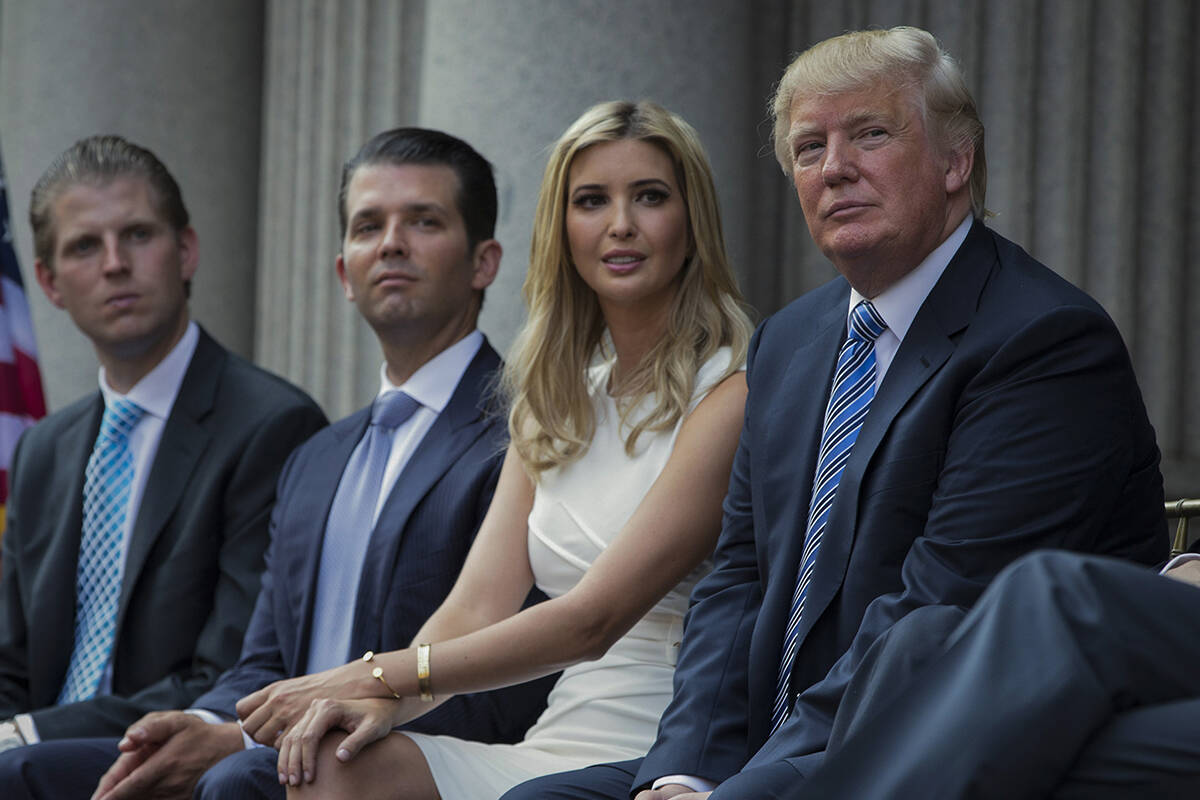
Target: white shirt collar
433,384
158,388
899,303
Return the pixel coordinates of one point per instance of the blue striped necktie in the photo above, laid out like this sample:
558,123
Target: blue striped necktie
108,479
849,402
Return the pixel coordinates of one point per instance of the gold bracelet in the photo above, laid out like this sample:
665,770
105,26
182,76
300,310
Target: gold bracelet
377,674
423,673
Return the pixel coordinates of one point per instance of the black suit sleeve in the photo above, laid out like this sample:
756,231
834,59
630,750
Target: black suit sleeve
261,660
246,506
14,669
711,679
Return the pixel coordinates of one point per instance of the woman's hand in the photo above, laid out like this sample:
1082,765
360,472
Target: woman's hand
271,712
365,720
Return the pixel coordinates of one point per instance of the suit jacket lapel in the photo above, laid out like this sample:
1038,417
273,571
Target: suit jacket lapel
929,342
298,549
456,428
184,440
73,448
791,458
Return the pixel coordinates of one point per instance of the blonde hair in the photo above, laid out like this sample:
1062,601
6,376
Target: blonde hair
551,419
899,57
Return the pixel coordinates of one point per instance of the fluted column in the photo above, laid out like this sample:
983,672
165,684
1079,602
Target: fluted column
335,75
182,78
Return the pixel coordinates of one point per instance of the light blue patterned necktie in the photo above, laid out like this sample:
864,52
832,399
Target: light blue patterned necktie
108,480
849,401
348,532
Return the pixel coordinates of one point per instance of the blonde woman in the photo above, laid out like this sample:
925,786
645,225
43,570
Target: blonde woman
626,397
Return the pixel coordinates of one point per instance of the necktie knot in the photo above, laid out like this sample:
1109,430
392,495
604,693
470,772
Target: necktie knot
119,419
393,409
865,323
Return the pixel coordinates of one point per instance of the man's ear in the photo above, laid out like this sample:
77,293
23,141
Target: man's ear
189,252
486,263
48,281
958,169
339,265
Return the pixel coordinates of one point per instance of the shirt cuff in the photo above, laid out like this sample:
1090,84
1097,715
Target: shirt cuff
214,718
27,728
211,717
690,781
1182,558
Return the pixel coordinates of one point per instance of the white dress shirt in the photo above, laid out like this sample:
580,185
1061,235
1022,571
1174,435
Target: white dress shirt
899,303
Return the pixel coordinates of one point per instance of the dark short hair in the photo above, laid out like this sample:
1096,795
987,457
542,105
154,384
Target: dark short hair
476,185
99,159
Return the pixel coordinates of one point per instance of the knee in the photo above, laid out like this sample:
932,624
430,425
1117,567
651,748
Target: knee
1038,565
1062,591
537,789
12,774
333,778
598,782
912,640
1036,577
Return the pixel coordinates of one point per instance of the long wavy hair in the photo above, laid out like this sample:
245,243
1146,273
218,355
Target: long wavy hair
551,418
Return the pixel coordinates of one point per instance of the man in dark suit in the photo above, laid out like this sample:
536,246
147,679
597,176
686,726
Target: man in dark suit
945,406
129,571
418,209
1073,677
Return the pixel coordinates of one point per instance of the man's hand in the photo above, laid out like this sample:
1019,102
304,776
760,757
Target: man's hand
164,754
674,791
272,711
1188,572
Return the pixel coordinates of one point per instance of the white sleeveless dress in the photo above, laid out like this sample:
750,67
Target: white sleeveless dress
603,710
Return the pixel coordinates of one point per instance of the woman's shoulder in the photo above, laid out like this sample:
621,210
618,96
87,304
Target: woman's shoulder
712,372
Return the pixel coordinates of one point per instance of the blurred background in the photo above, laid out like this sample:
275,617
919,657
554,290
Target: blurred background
1090,107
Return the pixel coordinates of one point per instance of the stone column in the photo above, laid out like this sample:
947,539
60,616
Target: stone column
182,78
335,75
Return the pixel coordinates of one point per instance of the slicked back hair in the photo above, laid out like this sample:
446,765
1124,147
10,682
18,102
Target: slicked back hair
476,194
97,160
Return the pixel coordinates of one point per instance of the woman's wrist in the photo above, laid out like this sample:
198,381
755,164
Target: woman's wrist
369,680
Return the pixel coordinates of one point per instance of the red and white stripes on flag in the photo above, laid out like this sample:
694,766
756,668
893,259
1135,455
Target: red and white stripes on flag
21,398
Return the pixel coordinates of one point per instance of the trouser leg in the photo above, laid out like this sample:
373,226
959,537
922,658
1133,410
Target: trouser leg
63,769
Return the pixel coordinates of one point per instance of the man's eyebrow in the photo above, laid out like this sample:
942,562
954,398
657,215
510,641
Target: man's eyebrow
424,208
853,119
407,208
865,117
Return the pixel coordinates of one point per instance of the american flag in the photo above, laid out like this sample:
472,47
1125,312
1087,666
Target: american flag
21,398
